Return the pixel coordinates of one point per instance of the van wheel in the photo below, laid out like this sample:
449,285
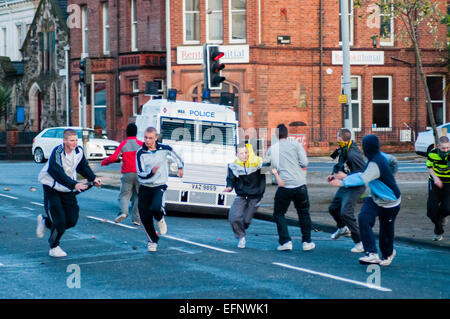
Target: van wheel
39,155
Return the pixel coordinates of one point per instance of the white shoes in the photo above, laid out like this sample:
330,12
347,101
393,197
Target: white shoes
241,243
152,246
57,252
40,228
162,227
285,246
308,246
344,231
438,237
358,248
370,258
388,261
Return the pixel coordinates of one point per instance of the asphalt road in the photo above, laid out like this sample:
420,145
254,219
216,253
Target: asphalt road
197,259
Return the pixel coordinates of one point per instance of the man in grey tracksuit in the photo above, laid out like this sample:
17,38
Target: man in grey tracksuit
153,172
342,206
288,159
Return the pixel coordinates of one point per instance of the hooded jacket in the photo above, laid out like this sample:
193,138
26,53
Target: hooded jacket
246,177
378,175
350,160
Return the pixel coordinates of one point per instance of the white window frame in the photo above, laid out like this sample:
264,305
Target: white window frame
443,101
351,22
358,83
389,101
185,41
93,106
391,42
133,25
106,28
84,32
5,40
135,89
231,23
208,40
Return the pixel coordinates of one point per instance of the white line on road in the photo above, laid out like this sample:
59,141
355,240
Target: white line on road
334,277
111,222
28,208
39,204
201,245
12,197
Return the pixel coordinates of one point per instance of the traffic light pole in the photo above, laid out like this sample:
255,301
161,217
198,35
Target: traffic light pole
346,84
205,69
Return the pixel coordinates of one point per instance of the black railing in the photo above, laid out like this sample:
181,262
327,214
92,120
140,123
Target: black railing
26,137
2,137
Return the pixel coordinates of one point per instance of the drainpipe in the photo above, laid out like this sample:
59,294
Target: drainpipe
168,49
66,52
118,111
320,69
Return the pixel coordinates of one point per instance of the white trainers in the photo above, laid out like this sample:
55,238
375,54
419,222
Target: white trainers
40,228
152,246
57,252
162,227
241,243
308,246
344,231
370,258
285,246
358,248
120,217
388,261
438,237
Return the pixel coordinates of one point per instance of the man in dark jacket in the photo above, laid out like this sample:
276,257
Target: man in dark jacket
343,204
245,177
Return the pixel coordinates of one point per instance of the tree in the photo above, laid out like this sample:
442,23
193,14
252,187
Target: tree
5,97
413,15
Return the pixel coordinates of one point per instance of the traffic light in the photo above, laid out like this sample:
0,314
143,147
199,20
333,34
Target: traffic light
83,71
214,67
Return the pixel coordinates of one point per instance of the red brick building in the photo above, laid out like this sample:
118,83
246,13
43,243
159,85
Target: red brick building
282,62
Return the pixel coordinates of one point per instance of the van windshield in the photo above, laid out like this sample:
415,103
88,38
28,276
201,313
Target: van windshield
175,129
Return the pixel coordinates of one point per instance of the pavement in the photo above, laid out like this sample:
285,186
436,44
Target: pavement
412,225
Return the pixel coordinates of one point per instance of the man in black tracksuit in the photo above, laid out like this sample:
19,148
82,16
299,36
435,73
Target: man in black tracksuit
245,177
59,179
343,204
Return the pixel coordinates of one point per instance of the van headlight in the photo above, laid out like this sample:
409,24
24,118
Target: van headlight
173,167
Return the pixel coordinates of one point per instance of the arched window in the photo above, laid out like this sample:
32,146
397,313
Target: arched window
227,87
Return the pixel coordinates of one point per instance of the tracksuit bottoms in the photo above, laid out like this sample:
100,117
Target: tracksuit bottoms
62,213
151,206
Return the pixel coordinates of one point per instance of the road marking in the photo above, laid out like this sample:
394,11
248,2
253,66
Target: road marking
201,245
39,204
334,277
28,208
12,197
183,250
111,222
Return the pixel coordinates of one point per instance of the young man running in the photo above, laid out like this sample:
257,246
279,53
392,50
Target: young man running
153,173
59,179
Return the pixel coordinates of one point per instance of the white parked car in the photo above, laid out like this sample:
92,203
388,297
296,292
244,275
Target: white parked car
425,140
49,138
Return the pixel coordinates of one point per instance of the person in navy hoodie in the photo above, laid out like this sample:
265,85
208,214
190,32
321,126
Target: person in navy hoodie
383,203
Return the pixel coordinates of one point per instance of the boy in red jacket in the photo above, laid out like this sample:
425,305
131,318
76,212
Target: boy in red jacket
129,183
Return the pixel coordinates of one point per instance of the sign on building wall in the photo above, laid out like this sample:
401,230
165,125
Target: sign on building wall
359,57
194,54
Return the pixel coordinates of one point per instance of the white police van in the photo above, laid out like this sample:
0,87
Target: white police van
205,136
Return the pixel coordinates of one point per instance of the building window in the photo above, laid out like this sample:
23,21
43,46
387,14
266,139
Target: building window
133,26
191,23
135,87
356,101
386,23
5,42
436,86
350,22
105,28
238,21
214,21
84,31
381,102
100,105
21,32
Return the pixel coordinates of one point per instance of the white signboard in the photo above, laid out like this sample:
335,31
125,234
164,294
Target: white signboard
194,54
360,57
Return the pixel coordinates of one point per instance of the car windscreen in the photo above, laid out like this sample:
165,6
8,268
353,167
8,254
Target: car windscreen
218,133
177,129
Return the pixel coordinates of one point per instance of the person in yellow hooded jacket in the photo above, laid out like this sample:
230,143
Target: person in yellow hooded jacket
249,183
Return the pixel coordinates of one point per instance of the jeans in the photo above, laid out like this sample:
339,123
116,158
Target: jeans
129,189
283,198
369,212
